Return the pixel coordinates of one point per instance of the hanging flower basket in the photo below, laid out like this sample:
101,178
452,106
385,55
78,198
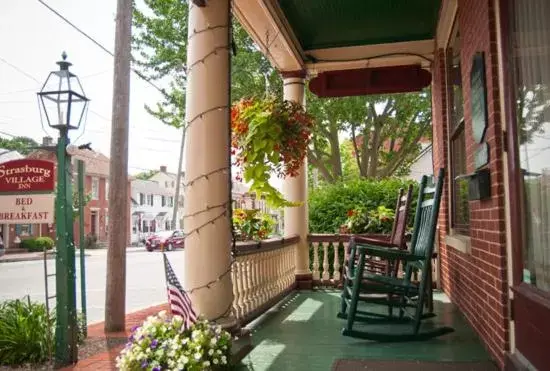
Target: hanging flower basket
269,136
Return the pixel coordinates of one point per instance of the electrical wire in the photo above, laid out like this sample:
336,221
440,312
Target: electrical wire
97,43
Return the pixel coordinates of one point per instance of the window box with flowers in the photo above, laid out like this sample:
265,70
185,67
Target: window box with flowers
269,136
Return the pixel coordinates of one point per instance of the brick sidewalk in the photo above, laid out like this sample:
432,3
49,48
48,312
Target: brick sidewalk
106,360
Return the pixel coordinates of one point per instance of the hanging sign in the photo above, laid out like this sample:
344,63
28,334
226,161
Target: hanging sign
27,208
26,176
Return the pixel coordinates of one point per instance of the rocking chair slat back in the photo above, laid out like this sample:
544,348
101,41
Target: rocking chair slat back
426,218
401,212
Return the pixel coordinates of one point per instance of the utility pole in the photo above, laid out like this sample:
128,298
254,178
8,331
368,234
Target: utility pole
178,180
115,296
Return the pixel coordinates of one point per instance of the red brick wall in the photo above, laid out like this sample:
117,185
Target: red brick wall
476,282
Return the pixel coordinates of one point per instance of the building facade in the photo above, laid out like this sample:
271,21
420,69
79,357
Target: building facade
152,209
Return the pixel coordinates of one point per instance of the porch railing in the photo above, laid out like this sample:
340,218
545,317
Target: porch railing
328,252
262,274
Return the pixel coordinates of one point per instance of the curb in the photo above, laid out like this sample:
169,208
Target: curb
30,258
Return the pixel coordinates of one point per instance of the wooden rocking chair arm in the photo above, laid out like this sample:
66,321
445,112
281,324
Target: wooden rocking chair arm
374,242
390,254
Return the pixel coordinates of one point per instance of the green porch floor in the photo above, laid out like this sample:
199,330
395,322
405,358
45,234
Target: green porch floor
304,334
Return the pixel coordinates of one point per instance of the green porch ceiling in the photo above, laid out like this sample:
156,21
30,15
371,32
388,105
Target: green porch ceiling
320,24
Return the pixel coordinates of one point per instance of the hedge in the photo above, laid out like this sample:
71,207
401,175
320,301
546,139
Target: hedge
328,205
37,244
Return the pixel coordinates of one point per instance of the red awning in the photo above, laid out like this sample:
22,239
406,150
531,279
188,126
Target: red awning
366,81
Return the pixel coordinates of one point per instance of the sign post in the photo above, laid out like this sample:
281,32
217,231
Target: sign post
82,241
66,330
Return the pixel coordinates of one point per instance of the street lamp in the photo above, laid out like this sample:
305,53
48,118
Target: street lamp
63,103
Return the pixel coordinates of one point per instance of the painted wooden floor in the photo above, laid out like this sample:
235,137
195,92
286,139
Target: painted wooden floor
305,334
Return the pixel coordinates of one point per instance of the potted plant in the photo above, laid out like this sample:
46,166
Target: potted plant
164,343
252,224
269,136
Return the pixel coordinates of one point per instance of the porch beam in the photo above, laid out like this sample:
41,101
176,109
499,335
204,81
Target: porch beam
207,276
263,21
295,189
371,56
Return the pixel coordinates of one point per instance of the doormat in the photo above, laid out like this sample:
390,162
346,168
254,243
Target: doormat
392,365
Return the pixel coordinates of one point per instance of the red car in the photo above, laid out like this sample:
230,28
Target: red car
165,240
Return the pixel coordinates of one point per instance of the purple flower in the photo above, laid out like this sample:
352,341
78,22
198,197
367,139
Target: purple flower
134,328
154,344
144,364
157,368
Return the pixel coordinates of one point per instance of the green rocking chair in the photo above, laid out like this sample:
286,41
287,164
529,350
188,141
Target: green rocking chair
388,290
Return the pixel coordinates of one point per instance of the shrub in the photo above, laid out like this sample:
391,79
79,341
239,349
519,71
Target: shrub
37,244
379,220
329,205
26,332
162,343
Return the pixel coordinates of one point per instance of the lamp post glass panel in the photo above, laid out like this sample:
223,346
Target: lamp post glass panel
63,105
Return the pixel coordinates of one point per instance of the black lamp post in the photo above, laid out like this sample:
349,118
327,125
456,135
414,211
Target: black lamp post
63,104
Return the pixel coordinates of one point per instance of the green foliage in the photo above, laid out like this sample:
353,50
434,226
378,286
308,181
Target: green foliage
269,136
383,131
159,44
145,175
20,144
252,224
37,244
379,220
329,205
26,332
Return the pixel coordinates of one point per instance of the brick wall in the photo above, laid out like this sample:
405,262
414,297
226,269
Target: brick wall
476,282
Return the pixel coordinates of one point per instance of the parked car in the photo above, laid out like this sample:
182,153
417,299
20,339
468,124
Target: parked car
165,240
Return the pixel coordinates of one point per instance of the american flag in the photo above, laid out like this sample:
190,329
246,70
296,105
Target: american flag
180,303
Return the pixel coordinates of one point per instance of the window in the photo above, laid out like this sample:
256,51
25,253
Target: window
106,224
171,201
460,217
166,184
173,184
163,200
531,32
145,226
106,189
150,200
23,230
141,199
95,188
167,225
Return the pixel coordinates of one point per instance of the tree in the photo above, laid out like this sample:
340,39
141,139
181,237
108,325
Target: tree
160,53
23,145
145,175
384,131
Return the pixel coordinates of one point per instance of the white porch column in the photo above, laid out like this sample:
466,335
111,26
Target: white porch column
295,189
207,245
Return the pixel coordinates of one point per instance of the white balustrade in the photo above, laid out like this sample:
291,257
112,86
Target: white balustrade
260,277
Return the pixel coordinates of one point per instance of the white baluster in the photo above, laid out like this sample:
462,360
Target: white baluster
336,265
315,271
326,274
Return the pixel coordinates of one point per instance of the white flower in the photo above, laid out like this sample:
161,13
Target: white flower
224,360
215,361
213,341
206,363
210,352
197,356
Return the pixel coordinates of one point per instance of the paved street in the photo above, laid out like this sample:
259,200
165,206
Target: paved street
145,283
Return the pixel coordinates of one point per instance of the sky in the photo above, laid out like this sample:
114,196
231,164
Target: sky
33,38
